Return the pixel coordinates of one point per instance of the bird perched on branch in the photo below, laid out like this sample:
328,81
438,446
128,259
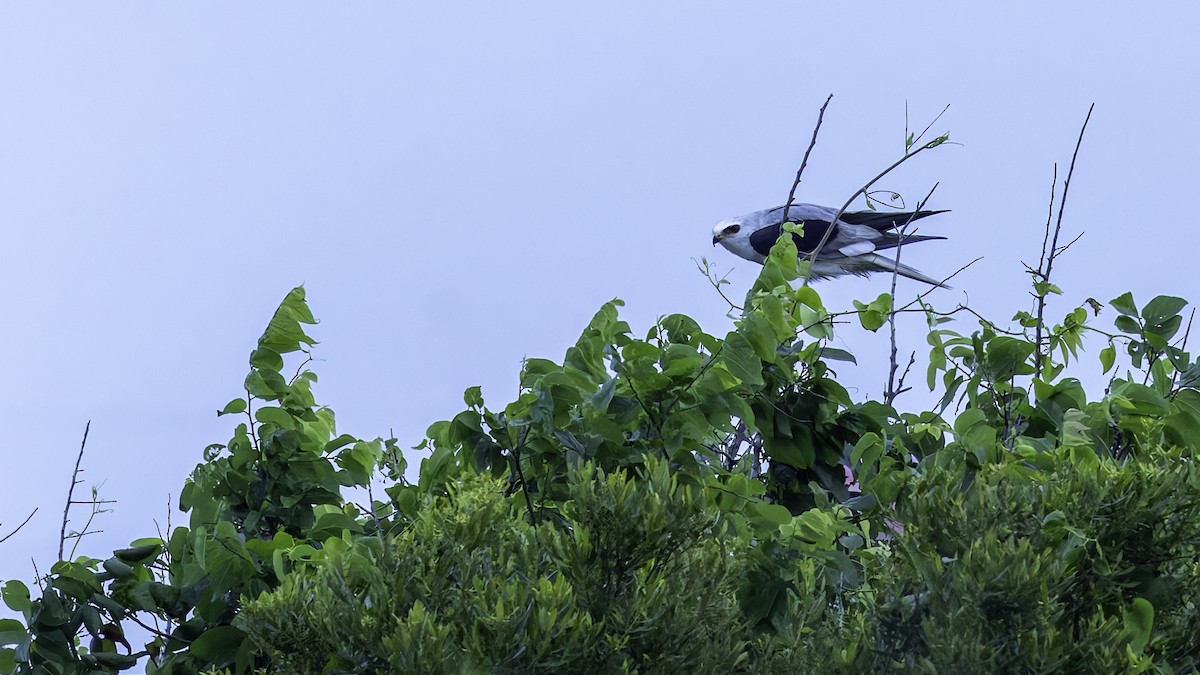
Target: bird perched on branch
850,248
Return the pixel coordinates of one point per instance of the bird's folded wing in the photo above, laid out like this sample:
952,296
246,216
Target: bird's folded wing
857,248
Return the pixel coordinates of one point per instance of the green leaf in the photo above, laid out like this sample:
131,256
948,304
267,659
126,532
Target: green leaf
118,569
773,514
808,296
266,359
871,316
12,632
1044,288
1162,307
1008,356
973,430
339,442
868,449
16,596
218,645
1124,304
833,354
236,406
1139,399
604,395
143,554
1160,332
1108,356
1183,427
265,384
473,397
1026,319
741,361
815,322
1127,324
681,360
276,416
1139,620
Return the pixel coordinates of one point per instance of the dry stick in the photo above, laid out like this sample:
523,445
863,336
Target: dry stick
1049,217
804,162
521,476
925,130
1174,376
62,535
23,522
900,388
1054,244
958,271
890,393
1040,302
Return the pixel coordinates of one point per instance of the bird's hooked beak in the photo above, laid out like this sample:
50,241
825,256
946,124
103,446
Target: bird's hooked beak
724,230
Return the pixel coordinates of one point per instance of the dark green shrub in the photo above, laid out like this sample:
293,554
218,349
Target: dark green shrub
630,579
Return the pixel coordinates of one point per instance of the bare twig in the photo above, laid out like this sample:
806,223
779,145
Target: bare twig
909,143
18,529
890,392
166,636
1174,376
931,289
890,397
374,512
1041,301
521,476
705,268
62,535
1049,257
804,162
1063,249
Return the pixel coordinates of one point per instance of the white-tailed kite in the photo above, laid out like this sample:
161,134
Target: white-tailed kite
849,249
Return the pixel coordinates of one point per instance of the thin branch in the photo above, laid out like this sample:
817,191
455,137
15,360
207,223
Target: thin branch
1174,375
804,162
900,388
1040,357
62,534
705,268
890,392
1063,249
1041,300
931,289
927,127
166,636
524,486
23,522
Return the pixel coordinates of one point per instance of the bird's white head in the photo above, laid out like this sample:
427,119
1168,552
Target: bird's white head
734,235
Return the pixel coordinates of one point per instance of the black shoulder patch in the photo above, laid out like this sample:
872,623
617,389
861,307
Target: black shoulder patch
814,231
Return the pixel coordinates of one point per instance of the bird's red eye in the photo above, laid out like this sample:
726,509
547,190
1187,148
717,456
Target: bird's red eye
732,229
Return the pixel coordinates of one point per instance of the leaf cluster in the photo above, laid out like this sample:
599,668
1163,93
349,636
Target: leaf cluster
683,500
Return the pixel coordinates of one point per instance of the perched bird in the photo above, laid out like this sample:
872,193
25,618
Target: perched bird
850,248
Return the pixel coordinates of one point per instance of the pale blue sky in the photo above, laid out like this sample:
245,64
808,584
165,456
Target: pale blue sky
460,185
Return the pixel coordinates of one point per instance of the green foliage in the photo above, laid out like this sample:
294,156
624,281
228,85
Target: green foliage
259,504
1080,567
680,502
631,580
